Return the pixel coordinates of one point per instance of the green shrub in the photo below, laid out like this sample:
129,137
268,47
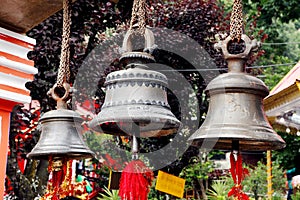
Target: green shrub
110,195
219,190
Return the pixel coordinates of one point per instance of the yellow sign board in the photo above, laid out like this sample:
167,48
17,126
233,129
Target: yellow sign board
170,184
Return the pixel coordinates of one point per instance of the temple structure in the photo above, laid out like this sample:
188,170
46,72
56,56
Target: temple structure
282,106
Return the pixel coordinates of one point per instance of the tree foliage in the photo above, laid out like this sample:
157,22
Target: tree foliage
257,183
280,21
288,157
272,9
196,174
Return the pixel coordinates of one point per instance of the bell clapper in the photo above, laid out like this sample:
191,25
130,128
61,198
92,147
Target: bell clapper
235,146
235,149
135,143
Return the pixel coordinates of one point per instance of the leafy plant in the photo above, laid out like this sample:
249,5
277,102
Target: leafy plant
197,172
286,157
110,195
219,190
256,182
277,197
296,196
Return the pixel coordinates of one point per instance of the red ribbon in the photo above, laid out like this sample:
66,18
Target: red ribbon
238,174
135,181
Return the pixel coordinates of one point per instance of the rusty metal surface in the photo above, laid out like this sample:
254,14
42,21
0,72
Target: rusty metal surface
22,15
61,136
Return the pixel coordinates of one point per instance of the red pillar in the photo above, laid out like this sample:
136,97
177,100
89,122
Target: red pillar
15,71
5,110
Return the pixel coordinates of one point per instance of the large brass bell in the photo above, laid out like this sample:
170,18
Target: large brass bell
136,95
235,117
61,136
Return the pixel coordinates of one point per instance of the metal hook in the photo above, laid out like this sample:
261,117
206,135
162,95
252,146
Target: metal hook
61,101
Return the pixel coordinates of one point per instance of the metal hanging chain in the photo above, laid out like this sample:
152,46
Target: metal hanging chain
64,70
138,17
236,20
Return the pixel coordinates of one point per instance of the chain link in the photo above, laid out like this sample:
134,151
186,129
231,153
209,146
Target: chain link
63,75
138,17
236,20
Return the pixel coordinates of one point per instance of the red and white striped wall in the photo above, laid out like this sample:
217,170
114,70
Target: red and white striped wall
15,68
15,71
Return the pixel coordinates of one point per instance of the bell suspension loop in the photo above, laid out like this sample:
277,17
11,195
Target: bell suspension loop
61,90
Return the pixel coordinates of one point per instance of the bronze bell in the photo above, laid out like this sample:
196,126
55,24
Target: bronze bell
61,136
235,117
136,95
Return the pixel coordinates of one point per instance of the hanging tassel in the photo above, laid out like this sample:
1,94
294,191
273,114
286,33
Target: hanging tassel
135,181
238,174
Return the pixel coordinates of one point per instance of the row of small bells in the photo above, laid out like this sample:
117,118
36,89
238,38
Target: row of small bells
137,96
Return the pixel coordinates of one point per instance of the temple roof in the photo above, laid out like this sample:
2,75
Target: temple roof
22,15
282,106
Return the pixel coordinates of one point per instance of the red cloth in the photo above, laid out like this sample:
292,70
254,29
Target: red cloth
238,174
135,181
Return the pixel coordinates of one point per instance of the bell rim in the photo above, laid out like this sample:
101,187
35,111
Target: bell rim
143,134
268,139
170,127
71,152
226,144
69,155
158,117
